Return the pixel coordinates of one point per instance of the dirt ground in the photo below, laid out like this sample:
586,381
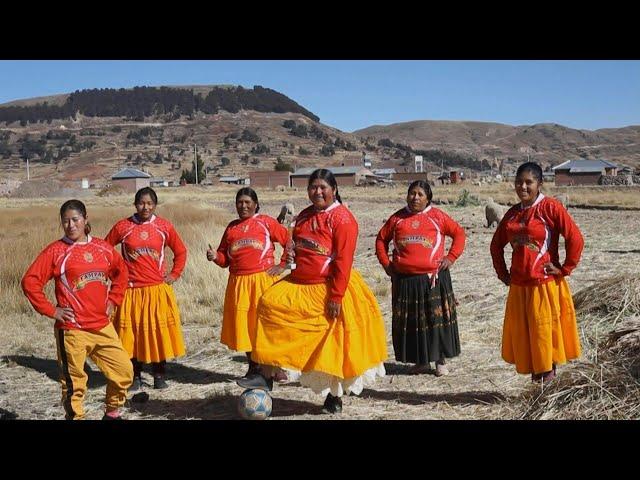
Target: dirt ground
480,386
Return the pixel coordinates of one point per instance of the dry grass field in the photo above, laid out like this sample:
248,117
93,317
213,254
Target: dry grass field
602,384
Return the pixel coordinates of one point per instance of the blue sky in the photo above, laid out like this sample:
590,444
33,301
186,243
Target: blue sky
353,94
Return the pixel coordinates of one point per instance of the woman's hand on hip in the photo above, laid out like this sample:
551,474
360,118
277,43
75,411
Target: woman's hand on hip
110,308
551,269
444,264
64,314
275,270
389,270
333,309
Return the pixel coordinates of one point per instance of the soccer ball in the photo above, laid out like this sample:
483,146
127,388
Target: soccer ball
254,404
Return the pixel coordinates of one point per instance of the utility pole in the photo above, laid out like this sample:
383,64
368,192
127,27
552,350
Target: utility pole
195,159
27,167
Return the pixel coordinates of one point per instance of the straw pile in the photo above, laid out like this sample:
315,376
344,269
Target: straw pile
604,384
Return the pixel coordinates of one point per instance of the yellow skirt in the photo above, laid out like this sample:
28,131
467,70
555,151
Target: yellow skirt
148,323
540,327
241,309
338,355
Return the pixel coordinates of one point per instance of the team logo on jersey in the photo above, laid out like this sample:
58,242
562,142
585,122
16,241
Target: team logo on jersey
414,240
246,243
88,257
134,254
311,245
144,235
245,228
415,224
524,240
86,278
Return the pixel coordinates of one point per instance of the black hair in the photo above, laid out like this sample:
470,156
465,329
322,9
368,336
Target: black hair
249,192
327,176
78,206
146,191
423,185
533,167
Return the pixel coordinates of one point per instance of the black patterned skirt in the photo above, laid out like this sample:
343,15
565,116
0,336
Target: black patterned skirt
424,325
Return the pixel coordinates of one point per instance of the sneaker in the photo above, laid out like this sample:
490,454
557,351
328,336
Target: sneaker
256,380
136,385
332,404
441,369
253,369
159,383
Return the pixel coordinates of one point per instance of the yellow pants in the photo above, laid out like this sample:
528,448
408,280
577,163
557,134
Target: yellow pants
105,349
240,309
540,327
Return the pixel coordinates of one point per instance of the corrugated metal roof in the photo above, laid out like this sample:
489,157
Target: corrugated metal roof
334,170
586,170
130,173
585,165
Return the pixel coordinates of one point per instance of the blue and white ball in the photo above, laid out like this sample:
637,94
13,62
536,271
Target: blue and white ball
255,404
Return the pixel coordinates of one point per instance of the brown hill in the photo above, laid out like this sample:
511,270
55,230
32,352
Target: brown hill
228,143
547,143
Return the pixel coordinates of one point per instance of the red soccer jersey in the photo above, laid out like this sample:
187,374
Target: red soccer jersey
81,272
247,245
143,245
534,233
418,240
325,242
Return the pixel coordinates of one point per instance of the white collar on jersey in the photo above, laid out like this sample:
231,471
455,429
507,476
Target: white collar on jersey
418,213
538,200
135,218
66,239
335,204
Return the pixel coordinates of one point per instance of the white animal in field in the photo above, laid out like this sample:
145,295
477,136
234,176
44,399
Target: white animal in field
493,212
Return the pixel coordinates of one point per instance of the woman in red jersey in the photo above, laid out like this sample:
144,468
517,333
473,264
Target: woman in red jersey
247,248
424,318
148,321
540,329
82,267
322,323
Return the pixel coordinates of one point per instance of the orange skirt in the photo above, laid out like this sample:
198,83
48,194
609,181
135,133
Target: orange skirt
294,333
240,316
540,327
148,323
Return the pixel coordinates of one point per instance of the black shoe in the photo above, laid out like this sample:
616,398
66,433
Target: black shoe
253,369
332,404
136,385
159,383
256,380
